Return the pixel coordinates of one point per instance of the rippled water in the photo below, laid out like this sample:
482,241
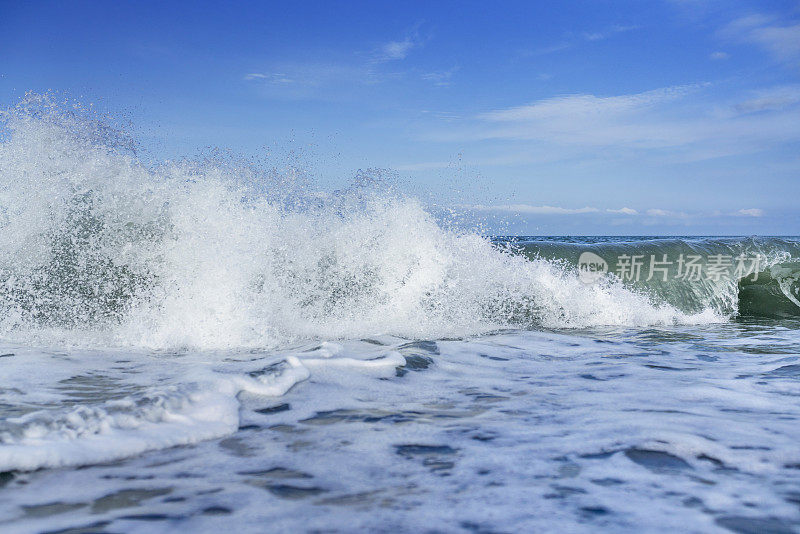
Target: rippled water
681,428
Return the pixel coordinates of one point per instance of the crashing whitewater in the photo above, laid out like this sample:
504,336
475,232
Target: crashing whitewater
99,248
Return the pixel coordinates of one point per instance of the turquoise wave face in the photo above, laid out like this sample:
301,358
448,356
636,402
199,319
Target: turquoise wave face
745,276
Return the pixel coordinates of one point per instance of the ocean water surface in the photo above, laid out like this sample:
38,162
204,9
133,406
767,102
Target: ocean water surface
194,345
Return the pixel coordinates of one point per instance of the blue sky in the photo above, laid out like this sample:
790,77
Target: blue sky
581,117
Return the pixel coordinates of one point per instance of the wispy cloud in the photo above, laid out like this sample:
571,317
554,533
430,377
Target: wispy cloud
535,210
310,79
719,56
446,116
396,49
274,77
584,37
655,212
773,99
669,214
587,105
551,49
648,217
777,36
645,216
399,49
750,212
608,32
680,123
624,120
356,68
440,78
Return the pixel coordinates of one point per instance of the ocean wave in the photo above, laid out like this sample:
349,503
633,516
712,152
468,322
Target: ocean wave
744,276
98,247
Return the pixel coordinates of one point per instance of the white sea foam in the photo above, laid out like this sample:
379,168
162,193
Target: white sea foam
98,248
615,429
198,404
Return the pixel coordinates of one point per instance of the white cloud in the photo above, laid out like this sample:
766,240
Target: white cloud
719,56
654,213
751,212
658,213
779,38
321,78
396,49
676,124
667,213
774,99
635,120
558,47
281,78
605,34
273,77
583,105
440,78
314,79
399,50
570,42
535,210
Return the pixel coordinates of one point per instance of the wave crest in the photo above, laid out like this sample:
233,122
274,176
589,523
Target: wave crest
98,247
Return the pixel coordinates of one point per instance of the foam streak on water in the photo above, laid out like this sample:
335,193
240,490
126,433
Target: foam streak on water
682,428
101,415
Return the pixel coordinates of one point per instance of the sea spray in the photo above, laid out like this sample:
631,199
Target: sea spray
99,247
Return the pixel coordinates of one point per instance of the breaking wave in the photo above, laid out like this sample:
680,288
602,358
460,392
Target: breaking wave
98,247
754,276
